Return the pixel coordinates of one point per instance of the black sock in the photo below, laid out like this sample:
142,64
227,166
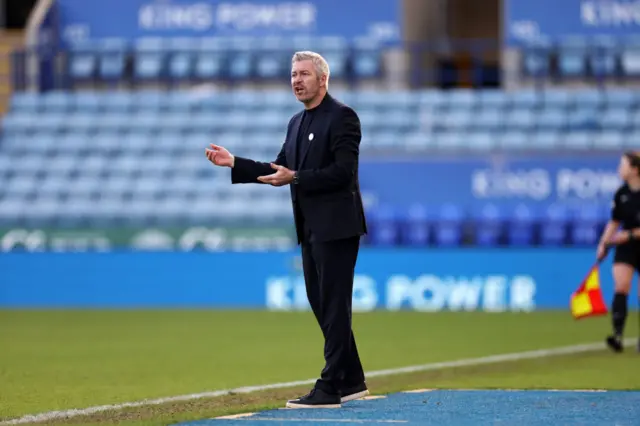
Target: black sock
619,315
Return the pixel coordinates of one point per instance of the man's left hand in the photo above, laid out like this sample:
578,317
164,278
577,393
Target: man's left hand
281,177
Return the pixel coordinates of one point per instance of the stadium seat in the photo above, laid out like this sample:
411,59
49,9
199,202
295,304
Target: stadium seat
587,225
384,227
489,221
521,226
555,224
448,225
416,226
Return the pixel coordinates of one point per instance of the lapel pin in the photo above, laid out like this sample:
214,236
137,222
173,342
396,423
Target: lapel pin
310,136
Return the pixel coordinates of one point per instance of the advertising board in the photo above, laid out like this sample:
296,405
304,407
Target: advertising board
496,280
132,19
526,20
508,180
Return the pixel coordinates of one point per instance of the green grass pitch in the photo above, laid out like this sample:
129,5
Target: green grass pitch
57,360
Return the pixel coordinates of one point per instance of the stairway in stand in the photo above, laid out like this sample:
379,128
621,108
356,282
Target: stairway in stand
10,40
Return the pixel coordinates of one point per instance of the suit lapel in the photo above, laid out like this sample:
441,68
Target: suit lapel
304,140
323,109
294,150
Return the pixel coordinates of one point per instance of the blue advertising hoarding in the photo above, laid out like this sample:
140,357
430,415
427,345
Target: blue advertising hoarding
536,180
132,19
423,280
526,20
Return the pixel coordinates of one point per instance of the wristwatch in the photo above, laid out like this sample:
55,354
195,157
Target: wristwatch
295,178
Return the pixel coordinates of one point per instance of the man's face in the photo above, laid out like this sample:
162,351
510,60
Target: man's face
305,81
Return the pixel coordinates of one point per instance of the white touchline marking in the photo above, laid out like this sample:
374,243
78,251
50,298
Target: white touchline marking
284,419
235,416
492,359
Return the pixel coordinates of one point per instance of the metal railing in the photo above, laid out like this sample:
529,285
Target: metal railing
446,63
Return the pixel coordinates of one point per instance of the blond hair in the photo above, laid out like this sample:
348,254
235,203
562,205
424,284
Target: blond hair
322,67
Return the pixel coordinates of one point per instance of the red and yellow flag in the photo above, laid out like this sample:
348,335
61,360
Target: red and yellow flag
587,301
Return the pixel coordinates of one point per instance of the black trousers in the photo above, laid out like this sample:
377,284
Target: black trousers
328,272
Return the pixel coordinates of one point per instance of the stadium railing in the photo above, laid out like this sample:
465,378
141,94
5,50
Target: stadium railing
172,62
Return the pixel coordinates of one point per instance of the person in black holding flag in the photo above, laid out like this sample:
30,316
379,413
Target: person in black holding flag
625,213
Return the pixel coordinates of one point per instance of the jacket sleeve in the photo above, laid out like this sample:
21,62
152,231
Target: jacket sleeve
345,146
246,170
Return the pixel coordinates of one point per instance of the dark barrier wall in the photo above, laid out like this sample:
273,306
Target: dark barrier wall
425,280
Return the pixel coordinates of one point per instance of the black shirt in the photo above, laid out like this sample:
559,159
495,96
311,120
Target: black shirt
302,141
626,207
303,134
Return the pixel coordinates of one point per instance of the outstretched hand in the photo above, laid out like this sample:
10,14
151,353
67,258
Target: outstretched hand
219,156
281,177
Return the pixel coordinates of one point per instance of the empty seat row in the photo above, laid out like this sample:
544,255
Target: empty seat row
580,57
455,99
488,225
214,58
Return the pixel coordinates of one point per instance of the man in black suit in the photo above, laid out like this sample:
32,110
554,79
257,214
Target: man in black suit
319,161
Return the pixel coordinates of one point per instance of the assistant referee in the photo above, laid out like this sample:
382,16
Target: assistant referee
625,213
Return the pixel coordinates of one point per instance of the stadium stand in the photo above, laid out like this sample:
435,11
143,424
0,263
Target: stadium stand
135,158
121,157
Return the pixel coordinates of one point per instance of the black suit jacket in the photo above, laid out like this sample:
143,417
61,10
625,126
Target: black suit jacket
328,192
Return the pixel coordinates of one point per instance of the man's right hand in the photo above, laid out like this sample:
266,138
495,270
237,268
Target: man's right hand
219,156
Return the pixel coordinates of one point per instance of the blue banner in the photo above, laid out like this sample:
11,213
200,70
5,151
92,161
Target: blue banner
526,20
422,280
257,18
508,180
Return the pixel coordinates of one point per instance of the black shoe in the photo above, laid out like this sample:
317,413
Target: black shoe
317,398
615,343
354,392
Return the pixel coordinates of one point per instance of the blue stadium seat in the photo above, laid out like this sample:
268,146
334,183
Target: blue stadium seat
28,102
448,225
577,140
521,226
416,226
83,60
211,60
112,59
586,225
630,56
272,59
367,61
618,98
616,118
572,57
384,227
535,58
240,59
554,227
603,57
149,58
609,140
180,58
489,221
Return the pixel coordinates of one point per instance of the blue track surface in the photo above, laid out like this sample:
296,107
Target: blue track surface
463,408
